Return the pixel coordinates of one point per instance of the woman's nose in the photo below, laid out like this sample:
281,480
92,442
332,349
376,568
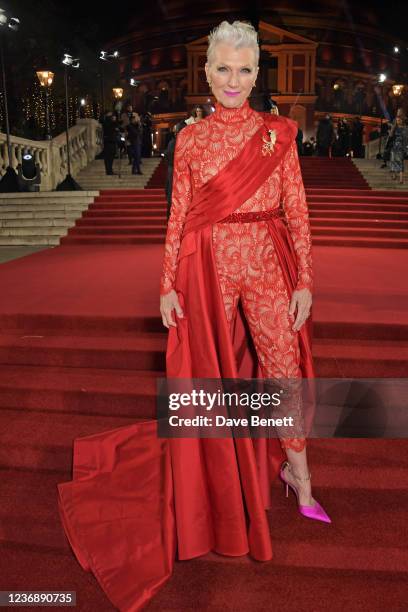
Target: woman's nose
234,80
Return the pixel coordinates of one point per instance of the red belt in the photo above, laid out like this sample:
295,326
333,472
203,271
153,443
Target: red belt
247,217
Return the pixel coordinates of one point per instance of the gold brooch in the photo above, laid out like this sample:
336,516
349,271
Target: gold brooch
268,145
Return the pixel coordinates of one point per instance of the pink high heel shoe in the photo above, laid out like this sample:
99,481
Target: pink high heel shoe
316,511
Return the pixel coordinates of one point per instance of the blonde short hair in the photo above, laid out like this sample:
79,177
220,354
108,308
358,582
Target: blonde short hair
238,34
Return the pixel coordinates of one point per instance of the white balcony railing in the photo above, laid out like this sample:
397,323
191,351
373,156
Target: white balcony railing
85,140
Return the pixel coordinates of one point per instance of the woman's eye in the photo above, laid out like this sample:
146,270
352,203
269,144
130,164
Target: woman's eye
223,68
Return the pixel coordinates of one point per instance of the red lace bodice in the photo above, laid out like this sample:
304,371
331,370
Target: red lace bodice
202,150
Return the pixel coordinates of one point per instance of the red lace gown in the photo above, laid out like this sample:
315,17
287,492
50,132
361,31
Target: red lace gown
137,500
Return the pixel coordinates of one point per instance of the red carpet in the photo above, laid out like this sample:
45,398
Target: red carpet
81,345
350,215
330,172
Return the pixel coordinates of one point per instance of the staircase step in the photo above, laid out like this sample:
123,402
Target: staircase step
96,391
382,224
129,222
29,240
34,224
318,213
134,230
360,359
43,442
113,239
131,351
30,230
365,242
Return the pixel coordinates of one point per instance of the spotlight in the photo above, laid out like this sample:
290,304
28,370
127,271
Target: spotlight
70,61
105,56
29,175
14,24
396,50
382,77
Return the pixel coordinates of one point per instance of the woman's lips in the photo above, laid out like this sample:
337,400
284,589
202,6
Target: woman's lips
231,93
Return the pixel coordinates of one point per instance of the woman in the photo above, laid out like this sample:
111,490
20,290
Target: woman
398,148
246,262
136,498
196,115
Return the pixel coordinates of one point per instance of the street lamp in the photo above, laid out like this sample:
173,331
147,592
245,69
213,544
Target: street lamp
397,89
105,57
118,95
68,184
381,80
9,180
46,78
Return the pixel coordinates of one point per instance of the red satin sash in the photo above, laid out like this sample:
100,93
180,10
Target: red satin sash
241,177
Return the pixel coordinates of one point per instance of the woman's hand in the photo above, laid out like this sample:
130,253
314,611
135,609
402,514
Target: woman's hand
169,302
302,302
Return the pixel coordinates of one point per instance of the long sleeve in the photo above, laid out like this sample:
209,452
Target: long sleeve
297,216
180,201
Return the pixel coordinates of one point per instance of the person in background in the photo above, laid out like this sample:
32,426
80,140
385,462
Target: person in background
196,115
343,135
299,141
110,139
325,136
169,156
147,124
134,135
125,118
309,146
398,147
357,132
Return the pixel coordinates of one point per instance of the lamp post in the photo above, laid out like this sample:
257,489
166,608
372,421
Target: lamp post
381,80
9,180
68,184
46,78
105,57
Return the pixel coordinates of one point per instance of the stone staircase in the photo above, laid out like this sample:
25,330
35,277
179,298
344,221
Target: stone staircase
377,177
94,177
38,219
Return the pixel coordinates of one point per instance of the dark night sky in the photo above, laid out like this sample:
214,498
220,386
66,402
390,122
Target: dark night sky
99,22
393,13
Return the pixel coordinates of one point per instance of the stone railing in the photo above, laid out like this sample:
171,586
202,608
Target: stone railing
85,140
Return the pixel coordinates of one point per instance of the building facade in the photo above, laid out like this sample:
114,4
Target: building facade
316,58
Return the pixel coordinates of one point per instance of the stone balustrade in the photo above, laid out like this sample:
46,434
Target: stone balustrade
85,140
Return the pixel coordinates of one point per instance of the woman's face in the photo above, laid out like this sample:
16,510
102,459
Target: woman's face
232,74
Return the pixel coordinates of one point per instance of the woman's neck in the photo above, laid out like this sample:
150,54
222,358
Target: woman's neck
232,115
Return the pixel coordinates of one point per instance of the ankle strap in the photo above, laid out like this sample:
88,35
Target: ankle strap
297,477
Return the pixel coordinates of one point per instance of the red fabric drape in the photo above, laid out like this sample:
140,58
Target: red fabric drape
133,496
